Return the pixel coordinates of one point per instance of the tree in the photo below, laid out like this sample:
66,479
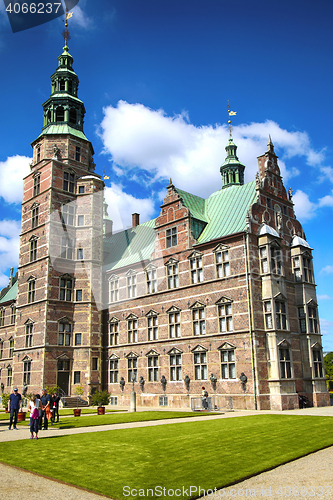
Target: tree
328,363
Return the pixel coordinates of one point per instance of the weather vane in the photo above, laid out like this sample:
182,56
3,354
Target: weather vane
105,176
230,113
65,32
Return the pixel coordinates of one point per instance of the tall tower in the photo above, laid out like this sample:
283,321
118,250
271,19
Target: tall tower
58,335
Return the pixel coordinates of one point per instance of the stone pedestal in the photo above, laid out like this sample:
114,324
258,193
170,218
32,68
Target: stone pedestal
133,401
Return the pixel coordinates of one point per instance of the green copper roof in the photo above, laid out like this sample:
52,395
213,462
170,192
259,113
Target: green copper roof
195,204
10,294
129,246
63,129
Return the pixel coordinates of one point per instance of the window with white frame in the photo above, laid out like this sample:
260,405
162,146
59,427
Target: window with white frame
268,314
222,263
198,319
9,376
29,328
66,288
263,260
114,289
151,276
281,315
200,365
132,368
67,247
313,319
196,269
11,347
285,362
33,249
131,285
65,334
78,338
31,290
228,365
2,316
297,268
175,367
26,372
132,329
153,368
68,182
172,274
79,253
67,214
225,316
80,220
174,324
152,326
114,331
12,314
317,363
114,370
171,237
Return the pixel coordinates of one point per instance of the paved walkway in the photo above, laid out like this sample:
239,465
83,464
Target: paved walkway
312,473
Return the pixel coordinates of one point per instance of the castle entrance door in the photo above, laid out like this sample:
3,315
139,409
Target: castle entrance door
63,374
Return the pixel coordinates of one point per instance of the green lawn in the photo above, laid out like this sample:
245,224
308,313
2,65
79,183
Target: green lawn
208,454
64,412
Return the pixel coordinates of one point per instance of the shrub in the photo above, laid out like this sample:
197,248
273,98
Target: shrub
5,398
100,398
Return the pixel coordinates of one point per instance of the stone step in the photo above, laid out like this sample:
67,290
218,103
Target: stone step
73,402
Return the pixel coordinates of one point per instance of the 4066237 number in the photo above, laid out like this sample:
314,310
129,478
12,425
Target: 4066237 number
33,8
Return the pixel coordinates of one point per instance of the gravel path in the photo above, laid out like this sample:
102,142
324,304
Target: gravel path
308,477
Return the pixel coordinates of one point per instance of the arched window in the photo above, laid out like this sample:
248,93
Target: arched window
72,116
62,85
60,114
70,86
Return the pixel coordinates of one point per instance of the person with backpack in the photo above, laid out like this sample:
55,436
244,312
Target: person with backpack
34,406
204,398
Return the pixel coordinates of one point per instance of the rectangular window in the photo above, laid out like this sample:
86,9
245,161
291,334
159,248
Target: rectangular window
68,183
67,248
2,316
163,400
114,400
308,274
11,348
222,264
151,281
153,368
66,289
28,334
67,215
317,363
285,366
297,269
78,338
78,295
38,154
175,367
281,315
114,333
200,365
80,220
94,362
31,291
9,376
78,153
131,286
172,275
171,237
302,319
114,290
225,318
12,315
114,371
132,326
64,335
313,320
26,372
199,325
79,254
196,270
1,350
268,315
81,189
33,250
132,365
174,325
37,183
228,366
34,217
77,377
276,258
152,328
263,260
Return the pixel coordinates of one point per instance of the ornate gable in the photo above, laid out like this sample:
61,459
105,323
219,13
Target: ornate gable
175,350
224,300
199,348
152,352
173,309
226,346
197,304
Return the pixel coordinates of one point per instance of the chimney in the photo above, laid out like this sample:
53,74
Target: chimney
108,223
11,276
135,220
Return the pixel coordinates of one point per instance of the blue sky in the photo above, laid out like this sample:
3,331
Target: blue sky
156,77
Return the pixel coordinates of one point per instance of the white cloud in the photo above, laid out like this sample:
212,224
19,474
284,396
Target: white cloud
327,270
326,201
304,208
9,247
121,205
12,172
326,326
80,17
324,297
165,146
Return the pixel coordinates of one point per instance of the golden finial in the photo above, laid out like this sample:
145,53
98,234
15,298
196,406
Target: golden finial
230,113
105,177
65,32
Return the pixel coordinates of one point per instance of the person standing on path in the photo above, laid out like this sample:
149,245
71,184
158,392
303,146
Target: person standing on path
46,401
34,406
204,398
56,399
14,404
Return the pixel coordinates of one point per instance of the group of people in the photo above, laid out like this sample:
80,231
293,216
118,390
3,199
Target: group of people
42,409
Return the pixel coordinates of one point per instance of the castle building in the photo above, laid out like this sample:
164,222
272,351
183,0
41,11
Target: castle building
215,292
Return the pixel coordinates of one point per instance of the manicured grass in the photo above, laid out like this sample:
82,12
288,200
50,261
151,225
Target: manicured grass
211,453
116,418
